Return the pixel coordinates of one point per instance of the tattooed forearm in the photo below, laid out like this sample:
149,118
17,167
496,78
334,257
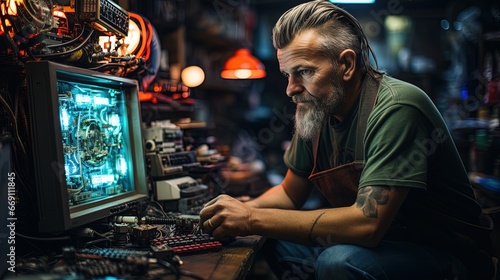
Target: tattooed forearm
369,198
312,227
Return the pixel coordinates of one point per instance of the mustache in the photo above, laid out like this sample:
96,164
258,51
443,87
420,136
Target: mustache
297,99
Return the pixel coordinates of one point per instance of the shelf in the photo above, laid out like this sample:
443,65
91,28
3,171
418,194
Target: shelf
191,125
492,36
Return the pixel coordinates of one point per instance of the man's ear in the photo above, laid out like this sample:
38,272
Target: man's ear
347,60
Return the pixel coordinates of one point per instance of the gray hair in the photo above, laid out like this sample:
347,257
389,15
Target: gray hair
338,29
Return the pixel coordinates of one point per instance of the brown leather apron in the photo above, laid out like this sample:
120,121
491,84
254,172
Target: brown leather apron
340,184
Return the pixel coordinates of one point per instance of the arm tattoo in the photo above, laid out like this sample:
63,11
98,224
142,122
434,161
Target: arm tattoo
309,237
369,198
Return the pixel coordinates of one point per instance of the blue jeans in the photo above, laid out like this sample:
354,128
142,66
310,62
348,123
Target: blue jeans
389,260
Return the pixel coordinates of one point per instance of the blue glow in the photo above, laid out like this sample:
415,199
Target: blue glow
64,118
122,165
114,120
464,92
101,100
102,179
83,99
445,24
352,1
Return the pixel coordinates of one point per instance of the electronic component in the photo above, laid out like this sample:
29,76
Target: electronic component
162,252
143,234
104,15
178,187
189,243
120,234
188,194
166,164
126,219
193,205
165,153
36,12
184,223
163,137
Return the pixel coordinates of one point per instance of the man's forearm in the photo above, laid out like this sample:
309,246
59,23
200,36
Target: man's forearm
363,223
275,197
322,227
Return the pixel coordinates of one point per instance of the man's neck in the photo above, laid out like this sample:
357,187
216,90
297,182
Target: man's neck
353,90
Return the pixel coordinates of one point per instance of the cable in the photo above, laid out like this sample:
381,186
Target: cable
44,238
16,131
67,52
93,242
109,65
171,267
161,211
69,42
20,113
47,239
27,188
175,270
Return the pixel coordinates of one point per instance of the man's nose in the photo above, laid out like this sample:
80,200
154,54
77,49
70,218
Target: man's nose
293,87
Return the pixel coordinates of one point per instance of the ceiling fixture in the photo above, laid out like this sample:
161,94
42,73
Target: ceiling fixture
352,1
243,65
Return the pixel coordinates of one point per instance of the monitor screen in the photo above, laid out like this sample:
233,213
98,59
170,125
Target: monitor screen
87,145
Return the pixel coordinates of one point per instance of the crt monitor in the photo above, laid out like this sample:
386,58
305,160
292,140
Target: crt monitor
87,146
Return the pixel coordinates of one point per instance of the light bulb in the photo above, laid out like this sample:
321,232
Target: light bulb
192,76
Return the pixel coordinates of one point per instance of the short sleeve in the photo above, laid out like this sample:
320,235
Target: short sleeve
298,157
395,153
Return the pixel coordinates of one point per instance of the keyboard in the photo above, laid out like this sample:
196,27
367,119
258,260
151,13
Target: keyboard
189,243
117,254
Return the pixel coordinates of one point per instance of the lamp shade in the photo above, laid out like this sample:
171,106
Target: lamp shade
243,65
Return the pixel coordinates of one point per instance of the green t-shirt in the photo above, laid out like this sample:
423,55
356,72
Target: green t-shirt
406,144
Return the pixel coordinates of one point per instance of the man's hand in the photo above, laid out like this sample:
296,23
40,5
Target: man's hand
225,217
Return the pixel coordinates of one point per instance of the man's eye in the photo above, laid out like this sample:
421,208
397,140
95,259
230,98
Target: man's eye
286,75
305,72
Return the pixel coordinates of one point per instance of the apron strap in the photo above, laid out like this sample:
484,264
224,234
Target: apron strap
369,94
368,99
315,145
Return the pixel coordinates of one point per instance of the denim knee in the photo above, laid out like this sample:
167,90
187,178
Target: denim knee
389,260
339,262
290,260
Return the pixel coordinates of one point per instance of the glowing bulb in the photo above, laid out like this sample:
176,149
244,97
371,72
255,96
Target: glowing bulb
83,99
64,118
101,100
107,43
242,73
192,76
114,120
121,165
102,179
11,8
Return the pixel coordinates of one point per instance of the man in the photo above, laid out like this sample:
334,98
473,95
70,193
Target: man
401,203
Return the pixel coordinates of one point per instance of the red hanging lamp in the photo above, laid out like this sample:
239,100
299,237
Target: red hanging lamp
243,65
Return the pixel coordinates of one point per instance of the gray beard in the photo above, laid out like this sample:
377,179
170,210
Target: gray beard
309,121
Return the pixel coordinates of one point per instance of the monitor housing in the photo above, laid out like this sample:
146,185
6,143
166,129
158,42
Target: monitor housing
86,143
